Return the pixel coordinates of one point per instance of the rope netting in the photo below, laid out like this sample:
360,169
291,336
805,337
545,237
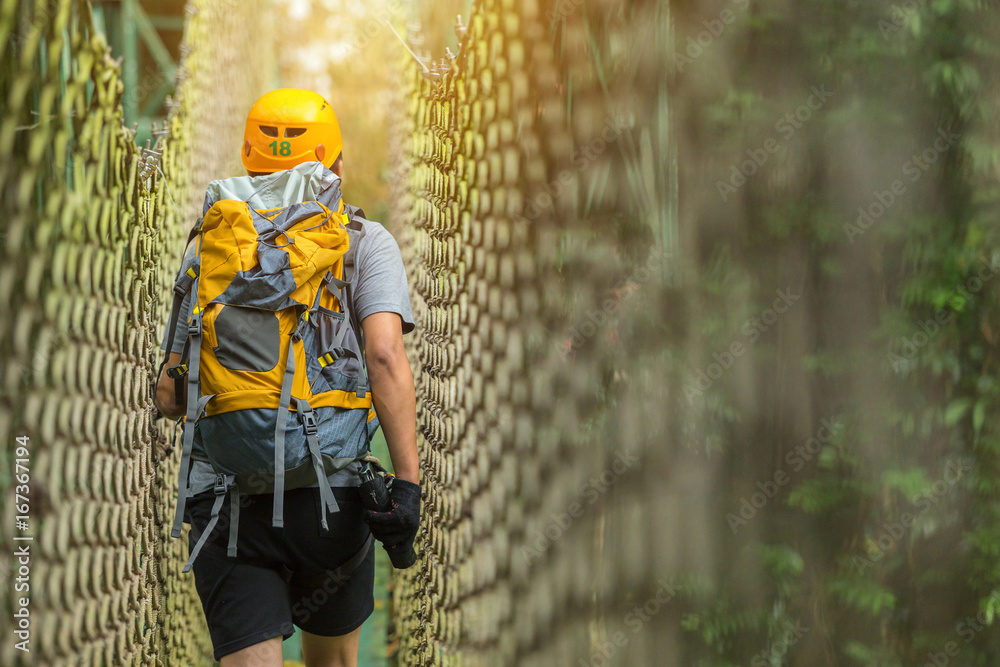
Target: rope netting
532,197
533,201
93,230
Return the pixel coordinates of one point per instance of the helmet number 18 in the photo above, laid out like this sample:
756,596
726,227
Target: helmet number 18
285,148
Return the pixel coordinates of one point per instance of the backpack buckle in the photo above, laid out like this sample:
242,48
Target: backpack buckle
221,484
194,326
300,330
177,372
184,282
308,418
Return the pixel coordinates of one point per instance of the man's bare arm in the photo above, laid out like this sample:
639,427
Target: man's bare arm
165,390
392,391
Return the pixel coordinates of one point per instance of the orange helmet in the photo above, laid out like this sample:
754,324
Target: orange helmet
290,126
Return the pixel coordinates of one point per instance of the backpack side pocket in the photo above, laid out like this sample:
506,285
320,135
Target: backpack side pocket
332,364
246,339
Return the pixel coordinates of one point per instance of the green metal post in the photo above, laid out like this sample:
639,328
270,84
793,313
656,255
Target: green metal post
130,58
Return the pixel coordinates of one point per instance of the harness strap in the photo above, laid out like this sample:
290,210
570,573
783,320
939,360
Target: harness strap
337,574
221,483
340,574
355,561
281,422
194,335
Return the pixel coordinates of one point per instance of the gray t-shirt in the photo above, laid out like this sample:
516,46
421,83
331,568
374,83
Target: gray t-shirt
379,286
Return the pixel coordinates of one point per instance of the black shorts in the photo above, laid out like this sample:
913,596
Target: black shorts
281,576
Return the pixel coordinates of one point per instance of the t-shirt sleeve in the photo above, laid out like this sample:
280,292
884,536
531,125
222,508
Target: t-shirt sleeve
381,278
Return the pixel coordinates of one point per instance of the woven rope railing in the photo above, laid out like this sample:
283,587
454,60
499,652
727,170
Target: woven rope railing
533,200
93,230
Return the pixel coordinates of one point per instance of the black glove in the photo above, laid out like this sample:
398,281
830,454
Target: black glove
397,528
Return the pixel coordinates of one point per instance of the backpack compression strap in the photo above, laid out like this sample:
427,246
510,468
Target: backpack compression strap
280,424
308,419
222,484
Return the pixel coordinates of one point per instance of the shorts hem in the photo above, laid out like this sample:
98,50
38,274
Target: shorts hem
344,629
284,631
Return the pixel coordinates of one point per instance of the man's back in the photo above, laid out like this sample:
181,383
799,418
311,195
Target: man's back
277,566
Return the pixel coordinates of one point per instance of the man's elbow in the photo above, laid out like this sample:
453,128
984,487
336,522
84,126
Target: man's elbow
164,401
386,359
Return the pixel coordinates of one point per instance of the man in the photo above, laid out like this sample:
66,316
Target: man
282,576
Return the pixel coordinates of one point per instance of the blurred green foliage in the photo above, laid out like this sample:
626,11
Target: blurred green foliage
887,541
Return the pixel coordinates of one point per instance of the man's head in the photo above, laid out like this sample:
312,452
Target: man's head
289,126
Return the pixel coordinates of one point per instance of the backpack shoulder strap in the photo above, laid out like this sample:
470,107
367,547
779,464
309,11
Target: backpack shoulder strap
354,211
355,223
195,402
356,229
182,287
193,234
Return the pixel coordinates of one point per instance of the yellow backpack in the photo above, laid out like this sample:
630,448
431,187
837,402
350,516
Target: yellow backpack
277,393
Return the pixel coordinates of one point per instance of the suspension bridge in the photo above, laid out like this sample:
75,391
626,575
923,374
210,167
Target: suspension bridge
520,292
